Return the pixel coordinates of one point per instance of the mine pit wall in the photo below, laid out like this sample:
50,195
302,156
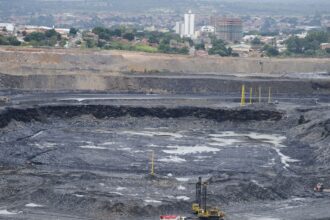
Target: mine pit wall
44,61
162,85
121,71
42,113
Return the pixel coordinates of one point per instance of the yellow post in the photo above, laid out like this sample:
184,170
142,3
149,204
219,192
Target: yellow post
243,96
259,94
251,96
152,163
269,95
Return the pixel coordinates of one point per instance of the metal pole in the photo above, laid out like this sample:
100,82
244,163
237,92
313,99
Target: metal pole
152,163
243,96
251,95
199,192
204,196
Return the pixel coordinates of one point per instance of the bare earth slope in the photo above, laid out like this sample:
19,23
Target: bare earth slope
62,61
121,71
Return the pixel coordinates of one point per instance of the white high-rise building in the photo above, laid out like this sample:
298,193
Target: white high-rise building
179,28
189,24
186,28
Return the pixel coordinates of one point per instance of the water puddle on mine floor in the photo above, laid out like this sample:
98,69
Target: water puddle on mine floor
171,144
186,146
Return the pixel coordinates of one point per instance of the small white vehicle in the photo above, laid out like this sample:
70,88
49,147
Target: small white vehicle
172,217
4,100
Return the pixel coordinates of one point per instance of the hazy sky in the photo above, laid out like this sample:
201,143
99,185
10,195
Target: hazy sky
244,7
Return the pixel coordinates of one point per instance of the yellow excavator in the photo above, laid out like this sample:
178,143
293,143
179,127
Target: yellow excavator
200,208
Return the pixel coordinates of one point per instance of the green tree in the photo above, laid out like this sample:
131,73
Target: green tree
129,36
164,47
184,50
13,41
90,43
103,33
9,40
3,40
52,34
63,42
218,48
309,52
73,31
153,39
116,32
107,34
319,36
35,36
200,46
256,41
101,43
49,38
295,45
310,45
272,52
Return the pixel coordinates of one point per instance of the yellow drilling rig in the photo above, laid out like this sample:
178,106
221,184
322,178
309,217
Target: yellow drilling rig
200,208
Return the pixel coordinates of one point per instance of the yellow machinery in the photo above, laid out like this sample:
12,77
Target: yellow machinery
198,203
195,208
243,96
200,209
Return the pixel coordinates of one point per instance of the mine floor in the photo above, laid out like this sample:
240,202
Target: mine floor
94,165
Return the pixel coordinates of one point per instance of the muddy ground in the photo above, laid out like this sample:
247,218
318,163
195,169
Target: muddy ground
87,156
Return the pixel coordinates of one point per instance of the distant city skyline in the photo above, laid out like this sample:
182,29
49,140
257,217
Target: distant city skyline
186,28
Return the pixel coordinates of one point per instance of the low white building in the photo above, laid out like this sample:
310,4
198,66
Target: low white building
302,35
242,49
249,38
7,26
325,46
208,29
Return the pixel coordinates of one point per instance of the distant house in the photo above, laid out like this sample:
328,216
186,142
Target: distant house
63,31
249,38
325,46
7,27
208,29
242,50
29,29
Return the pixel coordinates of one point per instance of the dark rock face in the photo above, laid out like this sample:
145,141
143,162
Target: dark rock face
99,111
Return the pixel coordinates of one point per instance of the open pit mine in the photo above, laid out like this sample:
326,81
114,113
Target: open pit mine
117,135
